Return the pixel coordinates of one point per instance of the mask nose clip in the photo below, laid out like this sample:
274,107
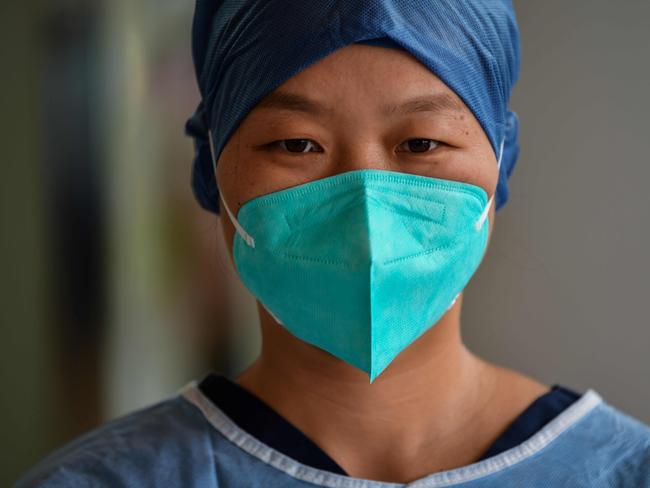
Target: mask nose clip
479,223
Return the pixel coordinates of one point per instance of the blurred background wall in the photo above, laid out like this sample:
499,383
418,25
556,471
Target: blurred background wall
564,292
115,286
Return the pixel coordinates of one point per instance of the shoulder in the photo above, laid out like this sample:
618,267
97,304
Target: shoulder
628,431
142,448
634,435
616,446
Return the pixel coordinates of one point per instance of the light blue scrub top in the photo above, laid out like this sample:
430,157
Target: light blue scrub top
186,441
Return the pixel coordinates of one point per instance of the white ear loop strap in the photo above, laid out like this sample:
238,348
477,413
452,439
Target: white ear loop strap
479,222
240,230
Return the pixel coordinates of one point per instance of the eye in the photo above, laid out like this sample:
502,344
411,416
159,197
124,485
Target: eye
419,145
299,145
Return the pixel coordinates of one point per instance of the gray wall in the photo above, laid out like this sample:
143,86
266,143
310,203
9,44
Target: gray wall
563,292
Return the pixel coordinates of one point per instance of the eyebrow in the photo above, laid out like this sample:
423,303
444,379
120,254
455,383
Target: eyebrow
438,102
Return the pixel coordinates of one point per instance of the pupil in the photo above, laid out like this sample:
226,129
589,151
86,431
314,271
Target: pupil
296,145
419,145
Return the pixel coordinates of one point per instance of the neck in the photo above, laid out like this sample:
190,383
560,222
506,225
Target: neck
430,396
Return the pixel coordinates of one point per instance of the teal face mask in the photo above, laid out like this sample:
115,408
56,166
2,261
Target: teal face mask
362,263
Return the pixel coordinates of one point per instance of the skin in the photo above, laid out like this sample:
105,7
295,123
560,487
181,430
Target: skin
437,406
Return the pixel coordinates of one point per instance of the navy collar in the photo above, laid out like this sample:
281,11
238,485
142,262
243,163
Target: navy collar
257,418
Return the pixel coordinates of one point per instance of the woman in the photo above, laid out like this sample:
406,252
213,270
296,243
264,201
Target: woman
356,152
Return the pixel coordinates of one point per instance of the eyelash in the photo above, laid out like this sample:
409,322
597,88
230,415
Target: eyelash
437,143
281,145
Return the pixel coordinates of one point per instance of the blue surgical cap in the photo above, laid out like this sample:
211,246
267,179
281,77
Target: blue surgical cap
244,49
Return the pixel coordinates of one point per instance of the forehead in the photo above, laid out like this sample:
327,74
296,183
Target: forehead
363,74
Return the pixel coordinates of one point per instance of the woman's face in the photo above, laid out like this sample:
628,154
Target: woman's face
361,107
